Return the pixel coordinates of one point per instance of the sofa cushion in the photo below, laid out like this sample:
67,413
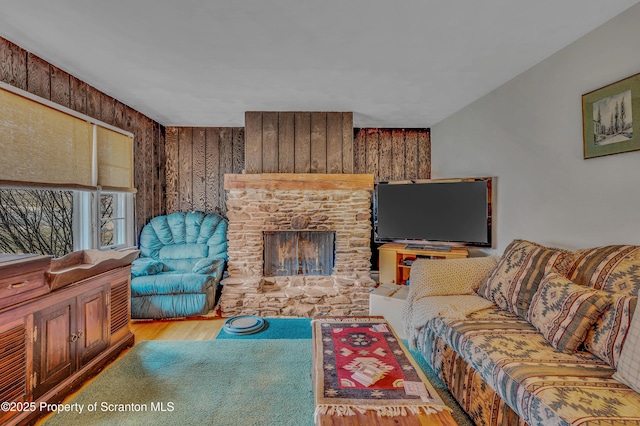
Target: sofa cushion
171,283
437,277
515,278
183,251
611,268
563,311
629,363
146,266
608,334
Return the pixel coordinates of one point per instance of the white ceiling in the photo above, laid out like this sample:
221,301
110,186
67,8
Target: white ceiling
407,63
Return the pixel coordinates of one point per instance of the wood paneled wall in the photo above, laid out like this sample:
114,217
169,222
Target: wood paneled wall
197,160
28,72
393,154
299,142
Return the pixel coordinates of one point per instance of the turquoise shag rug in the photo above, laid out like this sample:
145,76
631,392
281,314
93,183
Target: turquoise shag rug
276,328
215,382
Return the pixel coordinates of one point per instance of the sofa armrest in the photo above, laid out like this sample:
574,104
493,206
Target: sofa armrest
209,267
146,266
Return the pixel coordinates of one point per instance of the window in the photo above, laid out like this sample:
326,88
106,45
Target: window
67,179
114,228
56,222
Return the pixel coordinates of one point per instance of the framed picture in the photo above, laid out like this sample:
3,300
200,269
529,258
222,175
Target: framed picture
608,115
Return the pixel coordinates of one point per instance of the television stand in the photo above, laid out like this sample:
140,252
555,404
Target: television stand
394,262
427,247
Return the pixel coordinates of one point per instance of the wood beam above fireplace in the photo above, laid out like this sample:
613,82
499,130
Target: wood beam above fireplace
298,181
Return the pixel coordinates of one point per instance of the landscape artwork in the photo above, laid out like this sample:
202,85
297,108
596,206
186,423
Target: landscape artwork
612,119
608,116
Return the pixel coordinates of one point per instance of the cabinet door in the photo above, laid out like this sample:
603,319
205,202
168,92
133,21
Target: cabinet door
54,351
14,363
92,330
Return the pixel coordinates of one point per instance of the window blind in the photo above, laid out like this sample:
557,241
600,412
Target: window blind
115,160
41,145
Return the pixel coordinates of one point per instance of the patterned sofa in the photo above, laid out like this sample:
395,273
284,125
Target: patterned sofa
182,258
540,336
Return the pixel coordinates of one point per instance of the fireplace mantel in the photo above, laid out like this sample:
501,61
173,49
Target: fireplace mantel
297,181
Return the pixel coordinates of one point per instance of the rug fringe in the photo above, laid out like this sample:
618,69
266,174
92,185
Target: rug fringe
382,411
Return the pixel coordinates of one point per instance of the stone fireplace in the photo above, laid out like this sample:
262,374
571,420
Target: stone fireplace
299,244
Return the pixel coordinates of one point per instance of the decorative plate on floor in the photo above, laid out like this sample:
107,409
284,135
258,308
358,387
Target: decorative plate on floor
244,324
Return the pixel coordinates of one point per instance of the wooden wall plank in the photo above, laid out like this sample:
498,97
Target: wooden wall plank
93,102
199,169
411,154
161,188
286,140
13,64
139,171
119,115
318,142
156,208
359,151
171,169
38,76
238,149
334,142
397,154
302,142
60,86
372,156
347,142
107,108
130,115
385,166
212,167
78,89
149,168
185,175
424,154
253,141
226,162
269,142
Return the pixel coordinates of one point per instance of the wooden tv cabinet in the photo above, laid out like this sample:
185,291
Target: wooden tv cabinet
395,260
52,343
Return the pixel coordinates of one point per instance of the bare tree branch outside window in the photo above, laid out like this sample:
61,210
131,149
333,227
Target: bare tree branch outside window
36,221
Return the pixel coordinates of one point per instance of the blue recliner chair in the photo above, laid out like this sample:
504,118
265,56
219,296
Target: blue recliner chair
182,258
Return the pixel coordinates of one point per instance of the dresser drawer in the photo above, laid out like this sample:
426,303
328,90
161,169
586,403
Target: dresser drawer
23,282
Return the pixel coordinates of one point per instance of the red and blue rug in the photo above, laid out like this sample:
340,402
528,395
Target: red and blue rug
344,344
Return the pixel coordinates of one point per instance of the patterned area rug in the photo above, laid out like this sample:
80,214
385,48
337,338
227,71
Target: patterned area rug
345,346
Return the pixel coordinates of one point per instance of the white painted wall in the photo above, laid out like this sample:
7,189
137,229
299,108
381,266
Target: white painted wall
528,134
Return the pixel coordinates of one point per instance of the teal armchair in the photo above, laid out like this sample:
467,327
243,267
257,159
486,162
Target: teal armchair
182,259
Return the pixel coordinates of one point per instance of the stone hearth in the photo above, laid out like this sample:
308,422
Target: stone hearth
258,203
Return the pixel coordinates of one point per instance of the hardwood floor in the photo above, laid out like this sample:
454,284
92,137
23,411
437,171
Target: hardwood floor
164,330
177,330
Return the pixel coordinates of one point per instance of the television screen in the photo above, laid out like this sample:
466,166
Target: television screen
449,211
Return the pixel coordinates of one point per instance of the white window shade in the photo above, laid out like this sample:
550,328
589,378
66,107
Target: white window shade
41,145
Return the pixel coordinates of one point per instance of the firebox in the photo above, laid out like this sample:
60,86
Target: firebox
298,253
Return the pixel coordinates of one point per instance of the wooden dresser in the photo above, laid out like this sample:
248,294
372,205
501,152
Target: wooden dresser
53,341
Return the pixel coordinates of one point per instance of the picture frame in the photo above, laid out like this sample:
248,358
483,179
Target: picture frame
608,115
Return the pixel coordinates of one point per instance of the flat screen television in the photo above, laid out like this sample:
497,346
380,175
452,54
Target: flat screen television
437,213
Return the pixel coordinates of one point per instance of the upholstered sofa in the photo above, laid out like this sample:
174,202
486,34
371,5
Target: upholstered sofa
182,259
539,336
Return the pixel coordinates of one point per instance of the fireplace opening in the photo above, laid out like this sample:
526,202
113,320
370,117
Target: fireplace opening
298,253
